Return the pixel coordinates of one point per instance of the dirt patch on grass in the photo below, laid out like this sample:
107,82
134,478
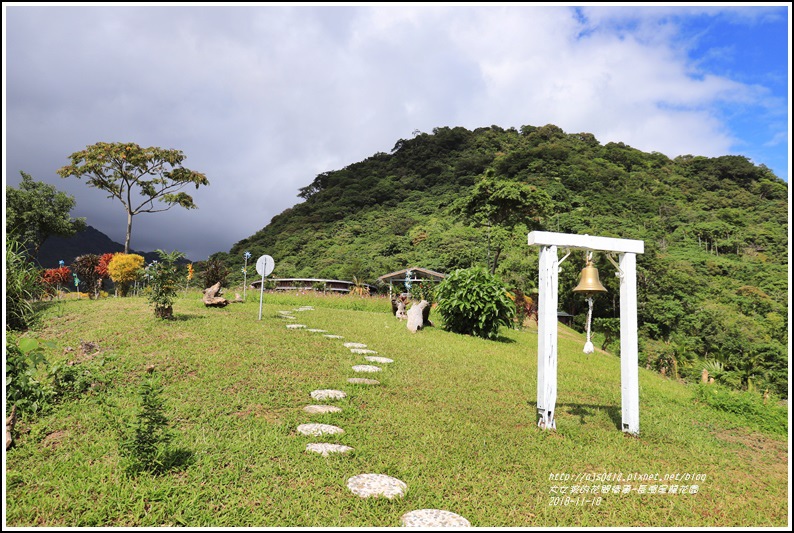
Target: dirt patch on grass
53,440
753,445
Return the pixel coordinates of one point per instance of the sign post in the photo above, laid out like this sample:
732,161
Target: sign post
246,256
264,266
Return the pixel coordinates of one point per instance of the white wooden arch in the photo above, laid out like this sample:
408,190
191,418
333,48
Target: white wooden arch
548,290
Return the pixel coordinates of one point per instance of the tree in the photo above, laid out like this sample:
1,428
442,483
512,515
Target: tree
501,205
36,211
121,169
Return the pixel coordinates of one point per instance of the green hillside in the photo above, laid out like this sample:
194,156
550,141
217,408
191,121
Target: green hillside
713,284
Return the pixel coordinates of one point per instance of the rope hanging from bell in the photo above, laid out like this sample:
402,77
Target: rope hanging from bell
588,346
589,285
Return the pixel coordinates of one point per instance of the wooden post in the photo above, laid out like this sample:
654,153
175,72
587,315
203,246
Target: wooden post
629,353
547,336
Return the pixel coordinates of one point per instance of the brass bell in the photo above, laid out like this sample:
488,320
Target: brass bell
589,282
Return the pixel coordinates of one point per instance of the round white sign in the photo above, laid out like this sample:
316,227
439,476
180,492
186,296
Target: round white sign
265,265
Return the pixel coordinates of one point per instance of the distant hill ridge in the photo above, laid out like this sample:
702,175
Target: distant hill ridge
89,241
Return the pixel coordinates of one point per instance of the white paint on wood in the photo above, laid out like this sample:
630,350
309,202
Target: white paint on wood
547,336
629,352
585,242
548,284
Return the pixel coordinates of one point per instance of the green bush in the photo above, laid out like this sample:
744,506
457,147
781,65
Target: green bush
165,281
23,285
473,301
23,390
747,405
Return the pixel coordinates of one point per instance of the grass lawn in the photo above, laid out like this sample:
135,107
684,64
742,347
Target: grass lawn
454,418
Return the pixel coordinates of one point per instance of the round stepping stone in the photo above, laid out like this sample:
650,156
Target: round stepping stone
359,350
366,368
327,394
334,336
433,518
319,429
376,485
354,345
321,409
324,448
363,381
314,330
296,326
373,359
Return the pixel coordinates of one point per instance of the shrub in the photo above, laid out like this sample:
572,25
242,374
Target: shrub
55,278
144,443
85,268
124,269
23,285
473,301
214,271
23,390
165,280
424,290
747,405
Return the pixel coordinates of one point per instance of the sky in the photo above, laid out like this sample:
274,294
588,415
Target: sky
261,97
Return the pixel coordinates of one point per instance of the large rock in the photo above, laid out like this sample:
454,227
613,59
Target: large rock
212,297
416,319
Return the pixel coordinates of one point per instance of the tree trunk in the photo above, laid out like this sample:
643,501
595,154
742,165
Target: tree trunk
129,232
164,312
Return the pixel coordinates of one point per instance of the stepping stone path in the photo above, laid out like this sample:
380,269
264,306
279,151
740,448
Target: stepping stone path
373,359
363,381
365,485
323,448
319,429
321,409
327,394
366,368
376,485
433,518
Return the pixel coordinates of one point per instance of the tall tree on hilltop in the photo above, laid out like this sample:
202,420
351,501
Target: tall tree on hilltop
500,205
36,211
122,169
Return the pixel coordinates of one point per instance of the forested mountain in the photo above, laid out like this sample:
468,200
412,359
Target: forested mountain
88,241
713,283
